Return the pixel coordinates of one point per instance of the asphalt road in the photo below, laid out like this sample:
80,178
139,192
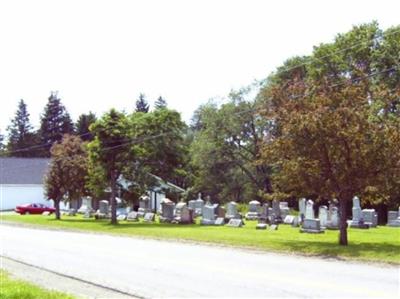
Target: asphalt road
151,268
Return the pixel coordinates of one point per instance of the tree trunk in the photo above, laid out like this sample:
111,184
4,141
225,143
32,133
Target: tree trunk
113,201
57,207
343,222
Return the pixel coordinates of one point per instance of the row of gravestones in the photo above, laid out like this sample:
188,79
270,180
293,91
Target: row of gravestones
211,213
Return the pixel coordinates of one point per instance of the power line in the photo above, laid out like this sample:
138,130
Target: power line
310,58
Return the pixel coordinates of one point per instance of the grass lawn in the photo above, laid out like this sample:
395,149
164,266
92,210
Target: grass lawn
12,289
380,244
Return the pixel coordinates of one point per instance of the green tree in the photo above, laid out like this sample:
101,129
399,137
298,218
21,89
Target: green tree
141,104
67,172
160,103
226,146
54,123
82,126
335,120
109,154
21,138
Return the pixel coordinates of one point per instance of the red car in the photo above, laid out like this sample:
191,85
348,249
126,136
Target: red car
33,208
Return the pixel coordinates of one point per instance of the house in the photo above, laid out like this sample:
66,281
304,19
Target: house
21,181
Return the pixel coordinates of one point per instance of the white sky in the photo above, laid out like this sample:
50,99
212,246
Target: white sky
102,54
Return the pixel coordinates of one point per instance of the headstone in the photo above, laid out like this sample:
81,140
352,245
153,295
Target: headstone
220,221
394,218
323,215
167,210
149,217
46,213
283,209
208,216
333,223
296,221
235,223
103,206
302,208
86,205
87,215
231,211
264,212
357,217
102,212
254,210
199,204
261,226
370,217
276,211
192,204
183,215
289,219
121,217
310,210
132,216
311,226
144,205
221,212
71,212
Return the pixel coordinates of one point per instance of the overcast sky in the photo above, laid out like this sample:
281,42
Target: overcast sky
102,54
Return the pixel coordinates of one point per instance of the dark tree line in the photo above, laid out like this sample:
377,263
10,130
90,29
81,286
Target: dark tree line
55,122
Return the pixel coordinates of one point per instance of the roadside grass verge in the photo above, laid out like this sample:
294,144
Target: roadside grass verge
380,244
12,288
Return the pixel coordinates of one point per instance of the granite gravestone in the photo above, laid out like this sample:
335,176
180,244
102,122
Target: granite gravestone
309,210
102,212
149,217
231,211
323,215
333,222
394,218
254,210
370,217
86,205
208,216
199,204
167,210
283,209
311,226
144,205
220,221
357,217
302,209
132,216
235,223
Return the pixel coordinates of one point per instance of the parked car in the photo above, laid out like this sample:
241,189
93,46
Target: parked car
33,208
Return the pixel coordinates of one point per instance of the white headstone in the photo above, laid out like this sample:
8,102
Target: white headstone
310,209
323,215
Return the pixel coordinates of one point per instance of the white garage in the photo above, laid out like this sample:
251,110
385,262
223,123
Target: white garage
21,181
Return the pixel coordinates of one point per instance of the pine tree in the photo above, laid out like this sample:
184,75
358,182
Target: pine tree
141,104
160,103
82,126
55,122
21,138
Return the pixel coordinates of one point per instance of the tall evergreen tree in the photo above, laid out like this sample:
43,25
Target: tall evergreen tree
21,138
141,104
55,122
82,126
160,103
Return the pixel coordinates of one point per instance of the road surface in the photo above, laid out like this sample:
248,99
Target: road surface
152,268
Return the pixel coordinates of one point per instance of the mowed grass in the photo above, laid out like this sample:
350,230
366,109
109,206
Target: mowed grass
12,289
380,244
